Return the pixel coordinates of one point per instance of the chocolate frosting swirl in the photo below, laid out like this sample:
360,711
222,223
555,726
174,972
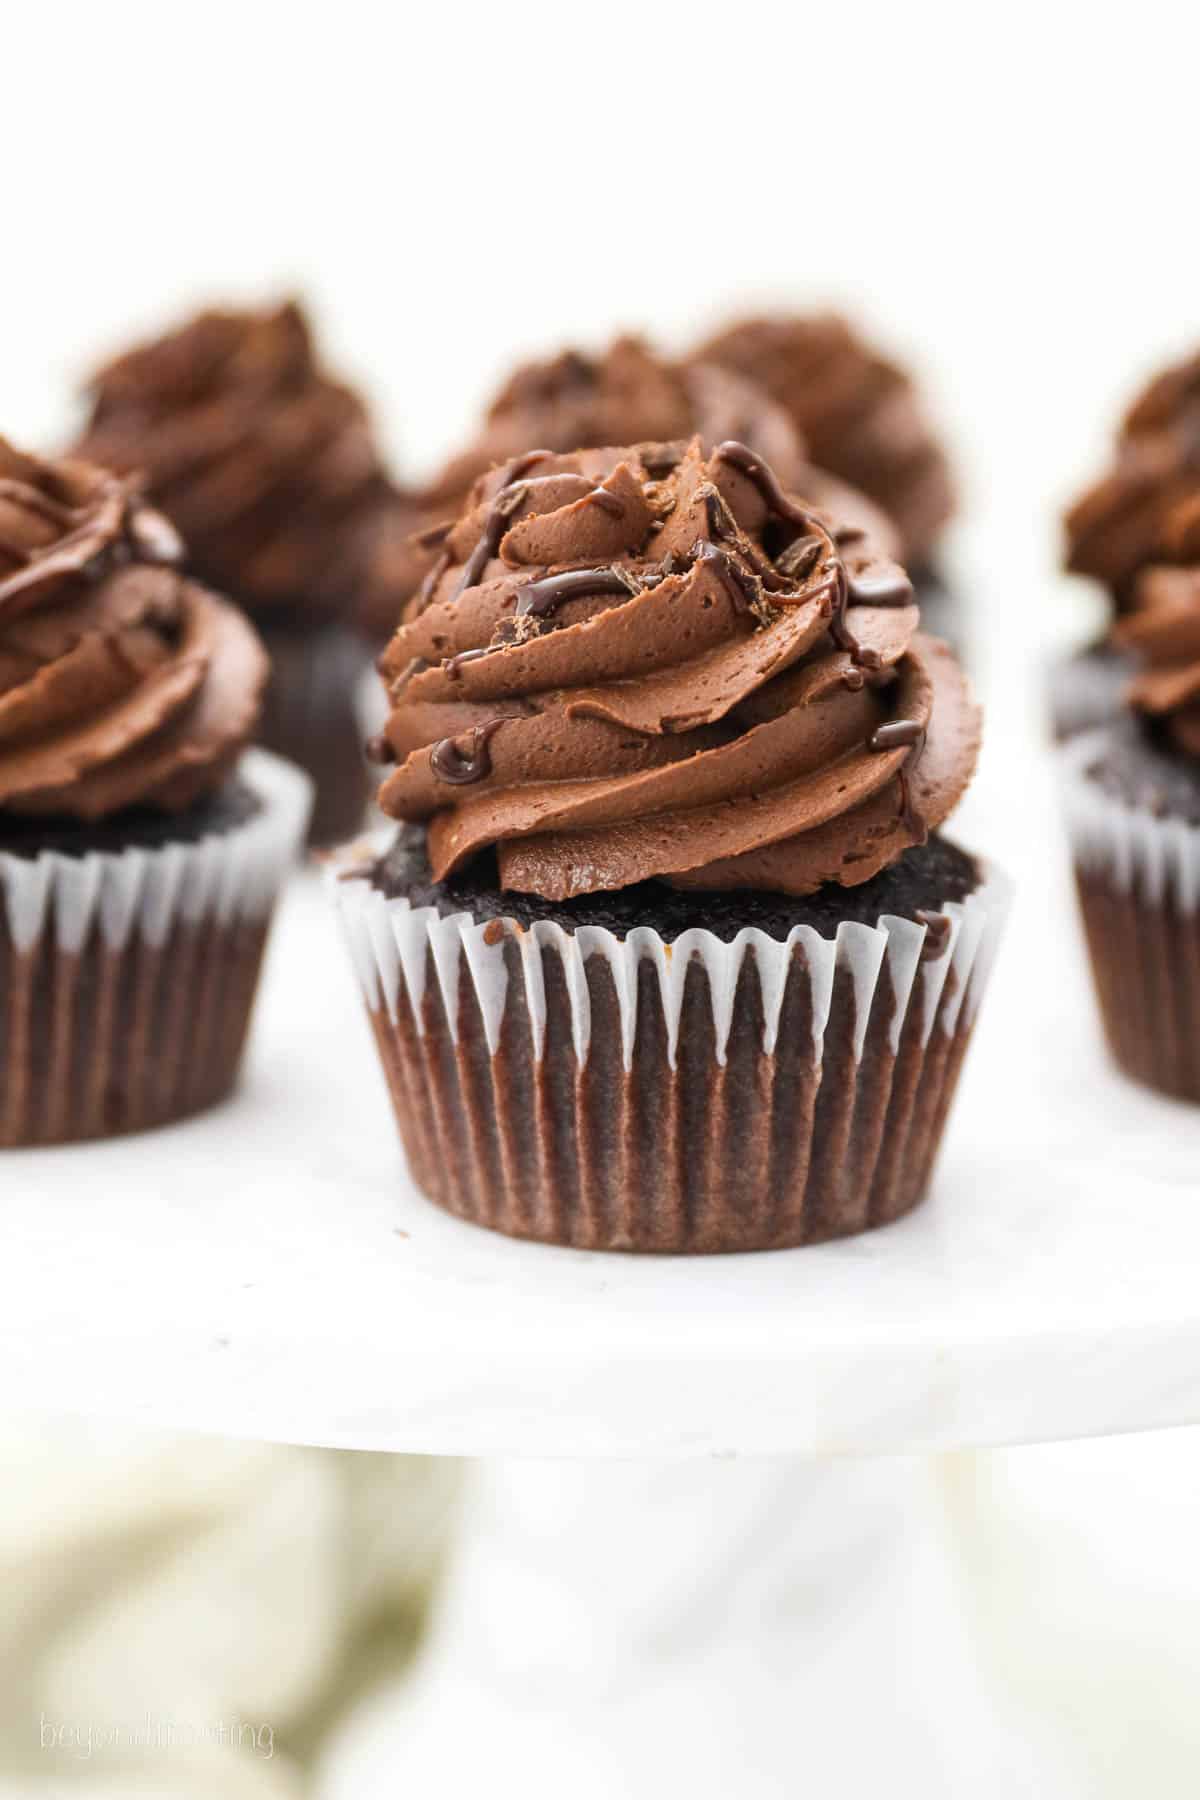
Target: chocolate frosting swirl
1146,508
121,683
266,465
655,663
625,395
859,413
1162,627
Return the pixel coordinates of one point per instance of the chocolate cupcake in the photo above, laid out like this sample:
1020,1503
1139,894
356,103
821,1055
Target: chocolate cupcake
1133,810
270,472
140,850
862,418
625,395
664,956
1144,512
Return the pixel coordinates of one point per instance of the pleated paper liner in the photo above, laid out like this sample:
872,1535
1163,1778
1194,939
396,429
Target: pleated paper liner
127,978
1138,880
694,1096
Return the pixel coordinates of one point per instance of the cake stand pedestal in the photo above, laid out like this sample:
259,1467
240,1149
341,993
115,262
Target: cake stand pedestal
762,1628
707,1555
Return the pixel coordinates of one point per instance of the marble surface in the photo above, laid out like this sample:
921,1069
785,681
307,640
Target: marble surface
268,1270
704,1629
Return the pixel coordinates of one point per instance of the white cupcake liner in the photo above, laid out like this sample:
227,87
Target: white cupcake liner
1138,881
687,1097
231,874
127,977
391,943
1133,848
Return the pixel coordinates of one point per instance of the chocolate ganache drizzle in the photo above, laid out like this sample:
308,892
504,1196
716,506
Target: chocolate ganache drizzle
121,683
623,394
658,663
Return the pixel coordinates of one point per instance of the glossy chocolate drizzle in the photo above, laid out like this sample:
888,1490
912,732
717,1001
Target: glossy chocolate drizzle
764,478
888,586
538,599
451,762
902,734
511,497
869,588
508,501
744,592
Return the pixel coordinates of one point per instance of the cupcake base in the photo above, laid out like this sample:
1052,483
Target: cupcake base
674,1087
1146,963
129,958
1133,813
310,717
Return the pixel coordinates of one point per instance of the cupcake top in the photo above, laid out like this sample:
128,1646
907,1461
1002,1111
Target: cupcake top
860,415
573,401
1146,508
121,683
645,663
624,395
267,466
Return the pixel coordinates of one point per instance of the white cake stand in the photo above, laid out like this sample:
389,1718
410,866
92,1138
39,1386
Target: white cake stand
689,1565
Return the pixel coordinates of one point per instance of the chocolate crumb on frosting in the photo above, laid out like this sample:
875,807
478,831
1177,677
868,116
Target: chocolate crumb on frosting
693,682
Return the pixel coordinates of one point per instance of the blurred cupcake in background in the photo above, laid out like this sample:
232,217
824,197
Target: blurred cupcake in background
140,850
626,394
863,419
269,469
1143,511
1133,810
667,953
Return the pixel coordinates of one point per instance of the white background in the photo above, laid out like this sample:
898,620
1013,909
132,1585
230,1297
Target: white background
1006,195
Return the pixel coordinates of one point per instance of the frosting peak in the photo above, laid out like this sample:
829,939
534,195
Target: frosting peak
266,465
1145,509
121,684
860,414
625,394
655,662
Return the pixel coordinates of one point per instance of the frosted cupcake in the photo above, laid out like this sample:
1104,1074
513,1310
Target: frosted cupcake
625,394
140,849
1143,513
269,470
1133,808
863,419
667,953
